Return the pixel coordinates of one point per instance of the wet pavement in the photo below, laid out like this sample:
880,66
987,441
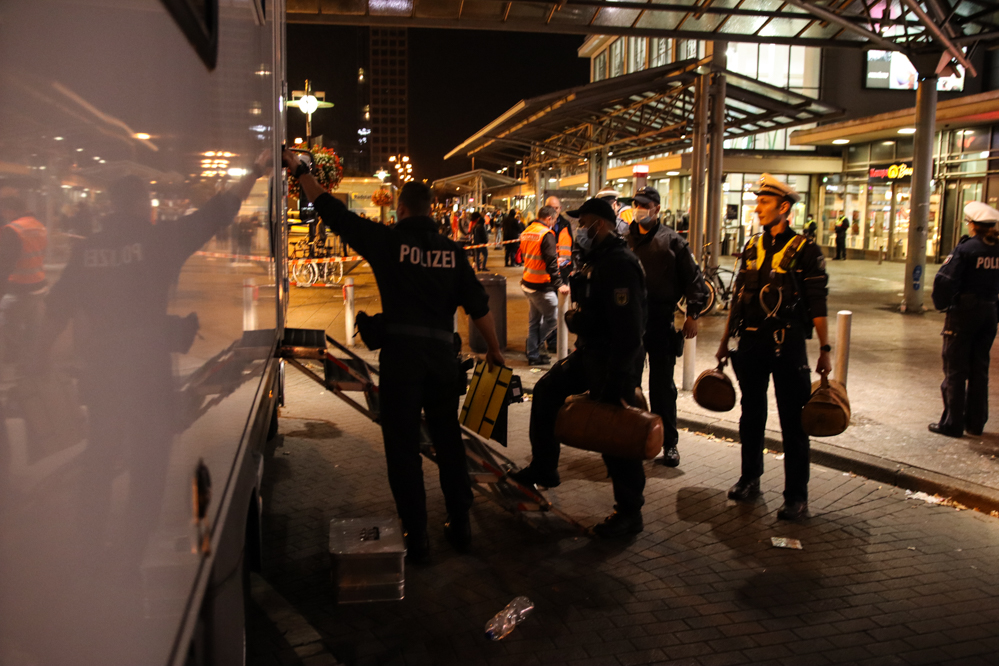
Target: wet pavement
883,577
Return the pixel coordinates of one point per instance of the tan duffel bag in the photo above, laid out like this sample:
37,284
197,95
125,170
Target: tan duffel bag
827,412
626,432
713,390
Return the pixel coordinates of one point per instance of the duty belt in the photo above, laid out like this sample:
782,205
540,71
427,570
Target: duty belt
415,331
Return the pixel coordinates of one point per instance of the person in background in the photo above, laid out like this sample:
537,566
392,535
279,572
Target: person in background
966,288
842,226
511,231
541,283
480,236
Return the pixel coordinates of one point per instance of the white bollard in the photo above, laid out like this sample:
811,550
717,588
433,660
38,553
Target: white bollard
689,363
844,322
250,295
348,310
563,330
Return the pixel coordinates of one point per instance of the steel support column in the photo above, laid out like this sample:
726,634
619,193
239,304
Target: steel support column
919,211
598,171
714,207
698,163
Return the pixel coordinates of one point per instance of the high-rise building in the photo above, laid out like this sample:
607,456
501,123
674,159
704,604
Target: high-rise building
388,75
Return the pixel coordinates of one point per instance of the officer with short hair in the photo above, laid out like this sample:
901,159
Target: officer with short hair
609,289
541,283
671,273
780,294
423,278
966,288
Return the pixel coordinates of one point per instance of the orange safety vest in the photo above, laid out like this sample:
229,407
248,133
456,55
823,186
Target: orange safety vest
564,247
34,238
535,269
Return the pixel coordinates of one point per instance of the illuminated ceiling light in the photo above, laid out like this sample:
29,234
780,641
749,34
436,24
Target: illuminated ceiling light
79,150
99,162
984,155
672,173
57,138
518,162
226,154
142,136
235,172
608,154
907,130
96,158
210,153
840,142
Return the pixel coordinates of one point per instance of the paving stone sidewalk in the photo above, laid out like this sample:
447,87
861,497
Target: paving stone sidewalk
881,579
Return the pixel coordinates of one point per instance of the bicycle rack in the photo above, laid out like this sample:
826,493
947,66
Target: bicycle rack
488,469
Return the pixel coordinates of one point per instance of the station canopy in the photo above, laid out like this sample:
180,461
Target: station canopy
634,115
471,181
913,27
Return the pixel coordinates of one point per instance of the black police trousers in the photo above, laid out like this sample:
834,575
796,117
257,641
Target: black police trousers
969,331
568,377
420,375
662,391
754,362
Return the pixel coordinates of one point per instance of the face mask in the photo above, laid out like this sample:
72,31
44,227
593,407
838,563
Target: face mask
583,239
644,217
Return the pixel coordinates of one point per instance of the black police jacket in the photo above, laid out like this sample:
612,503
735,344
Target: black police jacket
670,273
971,268
423,277
791,297
611,314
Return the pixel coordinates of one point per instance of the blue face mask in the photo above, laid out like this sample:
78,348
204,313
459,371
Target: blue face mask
583,239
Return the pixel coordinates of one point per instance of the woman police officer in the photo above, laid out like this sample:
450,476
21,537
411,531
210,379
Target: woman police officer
967,287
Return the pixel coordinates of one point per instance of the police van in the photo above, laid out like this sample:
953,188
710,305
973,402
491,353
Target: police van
138,376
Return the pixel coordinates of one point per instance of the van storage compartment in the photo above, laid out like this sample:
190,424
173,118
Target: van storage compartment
367,556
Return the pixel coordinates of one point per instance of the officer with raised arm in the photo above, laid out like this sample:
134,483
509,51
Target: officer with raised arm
966,288
423,277
780,295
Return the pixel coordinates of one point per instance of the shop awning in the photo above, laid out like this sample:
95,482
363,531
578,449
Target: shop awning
637,114
909,26
967,111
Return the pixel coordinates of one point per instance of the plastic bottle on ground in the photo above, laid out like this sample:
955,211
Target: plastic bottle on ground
503,622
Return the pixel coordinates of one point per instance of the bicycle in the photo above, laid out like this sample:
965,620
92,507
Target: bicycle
715,279
308,273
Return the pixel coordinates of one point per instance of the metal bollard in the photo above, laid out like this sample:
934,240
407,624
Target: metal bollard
250,295
563,330
689,363
844,321
348,310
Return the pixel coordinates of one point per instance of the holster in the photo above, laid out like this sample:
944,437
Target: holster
371,329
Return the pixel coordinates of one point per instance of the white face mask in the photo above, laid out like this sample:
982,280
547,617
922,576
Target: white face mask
644,217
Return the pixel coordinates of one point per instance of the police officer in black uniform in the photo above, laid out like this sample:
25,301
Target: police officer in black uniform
966,287
609,323
780,294
423,277
671,273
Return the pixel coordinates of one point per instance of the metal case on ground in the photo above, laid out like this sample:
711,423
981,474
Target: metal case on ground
367,556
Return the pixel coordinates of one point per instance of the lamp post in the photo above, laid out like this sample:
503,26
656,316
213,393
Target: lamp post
403,168
308,102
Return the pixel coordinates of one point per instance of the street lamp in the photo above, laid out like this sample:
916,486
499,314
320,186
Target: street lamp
308,103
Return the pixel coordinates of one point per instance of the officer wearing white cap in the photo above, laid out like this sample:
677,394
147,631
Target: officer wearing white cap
611,196
966,287
780,295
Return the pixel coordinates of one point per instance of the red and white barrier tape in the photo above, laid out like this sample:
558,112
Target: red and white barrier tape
237,257
325,260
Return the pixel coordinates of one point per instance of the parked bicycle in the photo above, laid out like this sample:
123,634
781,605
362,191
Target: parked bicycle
720,282
308,273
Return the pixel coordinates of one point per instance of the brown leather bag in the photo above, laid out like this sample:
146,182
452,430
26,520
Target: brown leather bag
626,432
827,412
713,390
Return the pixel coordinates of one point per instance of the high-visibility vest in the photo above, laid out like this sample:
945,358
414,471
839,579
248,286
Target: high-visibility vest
30,268
564,247
535,269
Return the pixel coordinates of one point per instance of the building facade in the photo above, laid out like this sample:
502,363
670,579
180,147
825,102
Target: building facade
389,88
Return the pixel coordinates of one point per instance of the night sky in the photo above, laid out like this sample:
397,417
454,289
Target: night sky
459,81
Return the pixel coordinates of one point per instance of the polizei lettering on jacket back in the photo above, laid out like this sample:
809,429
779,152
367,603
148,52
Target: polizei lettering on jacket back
987,262
426,258
112,257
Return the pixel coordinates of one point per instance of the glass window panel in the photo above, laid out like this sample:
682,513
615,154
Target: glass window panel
617,58
600,66
636,53
773,66
882,151
858,154
742,58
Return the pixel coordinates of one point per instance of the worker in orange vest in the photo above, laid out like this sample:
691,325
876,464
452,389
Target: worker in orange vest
23,241
540,283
